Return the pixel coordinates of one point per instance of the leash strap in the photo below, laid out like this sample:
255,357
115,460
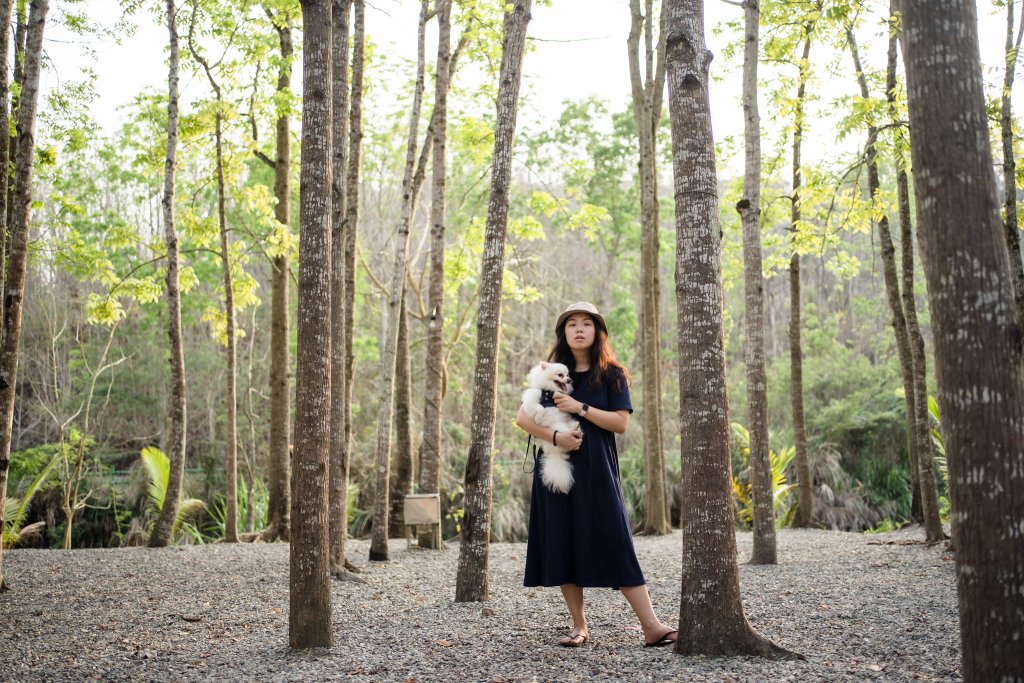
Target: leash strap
526,456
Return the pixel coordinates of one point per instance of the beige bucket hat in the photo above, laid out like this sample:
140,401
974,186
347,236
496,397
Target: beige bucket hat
580,307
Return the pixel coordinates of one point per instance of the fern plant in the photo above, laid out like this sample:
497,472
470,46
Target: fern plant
158,471
16,510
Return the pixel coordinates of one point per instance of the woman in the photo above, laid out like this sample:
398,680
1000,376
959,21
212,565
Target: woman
582,539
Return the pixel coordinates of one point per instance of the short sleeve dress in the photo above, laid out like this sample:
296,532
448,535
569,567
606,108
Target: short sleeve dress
583,537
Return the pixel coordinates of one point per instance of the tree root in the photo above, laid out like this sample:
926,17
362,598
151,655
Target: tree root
747,643
346,574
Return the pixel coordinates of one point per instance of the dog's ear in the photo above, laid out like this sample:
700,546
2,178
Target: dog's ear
543,365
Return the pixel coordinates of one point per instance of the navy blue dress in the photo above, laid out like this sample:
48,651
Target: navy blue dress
583,537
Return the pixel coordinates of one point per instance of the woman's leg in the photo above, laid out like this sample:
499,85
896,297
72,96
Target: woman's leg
573,595
640,600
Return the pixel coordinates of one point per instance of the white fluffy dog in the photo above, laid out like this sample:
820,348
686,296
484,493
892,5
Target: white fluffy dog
545,378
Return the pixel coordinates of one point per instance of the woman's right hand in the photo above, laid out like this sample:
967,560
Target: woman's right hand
570,441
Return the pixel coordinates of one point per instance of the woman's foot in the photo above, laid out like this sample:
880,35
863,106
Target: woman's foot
662,638
575,639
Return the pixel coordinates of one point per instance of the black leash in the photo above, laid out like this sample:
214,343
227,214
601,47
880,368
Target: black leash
537,452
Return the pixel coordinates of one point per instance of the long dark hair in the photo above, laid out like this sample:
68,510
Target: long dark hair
602,359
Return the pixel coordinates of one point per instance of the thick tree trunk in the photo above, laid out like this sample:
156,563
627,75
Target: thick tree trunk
430,447
405,462
749,208
471,581
976,329
919,450
396,295
279,522
711,619
656,509
1009,163
309,619
164,526
805,505
14,290
339,380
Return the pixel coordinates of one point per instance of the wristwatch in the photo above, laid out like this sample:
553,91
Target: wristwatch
583,409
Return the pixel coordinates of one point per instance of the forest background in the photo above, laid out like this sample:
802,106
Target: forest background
93,377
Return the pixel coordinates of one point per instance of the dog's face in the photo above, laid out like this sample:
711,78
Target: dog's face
550,376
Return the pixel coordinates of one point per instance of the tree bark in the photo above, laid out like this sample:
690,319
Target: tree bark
14,287
796,369
355,136
396,295
231,348
164,526
339,380
976,329
471,581
926,451
6,8
20,30
309,619
656,508
749,208
711,619
919,450
279,522
433,391
405,463
1009,163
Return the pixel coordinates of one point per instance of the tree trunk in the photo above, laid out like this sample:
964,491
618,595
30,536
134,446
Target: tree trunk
396,295
796,369
279,522
164,526
929,495
922,416
6,7
1010,164
355,138
975,326
749,208
711,619
339,380
231,447
405,463
433,391
18,78
14,290
309,618
471,580
231,350
656,509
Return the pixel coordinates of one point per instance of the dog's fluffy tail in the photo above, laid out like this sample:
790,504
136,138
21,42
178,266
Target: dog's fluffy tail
556,471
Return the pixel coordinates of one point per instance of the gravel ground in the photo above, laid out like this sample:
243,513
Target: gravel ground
858,607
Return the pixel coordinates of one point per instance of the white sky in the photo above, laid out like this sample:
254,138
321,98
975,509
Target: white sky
591,60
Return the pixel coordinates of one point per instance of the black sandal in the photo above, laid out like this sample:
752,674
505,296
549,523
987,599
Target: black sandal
664,640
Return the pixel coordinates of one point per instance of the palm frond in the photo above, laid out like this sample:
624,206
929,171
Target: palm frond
15,511
158,473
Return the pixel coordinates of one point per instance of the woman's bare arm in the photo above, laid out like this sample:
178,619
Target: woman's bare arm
569,441
613,421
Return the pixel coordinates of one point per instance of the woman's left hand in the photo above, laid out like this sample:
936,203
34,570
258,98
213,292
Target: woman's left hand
567,404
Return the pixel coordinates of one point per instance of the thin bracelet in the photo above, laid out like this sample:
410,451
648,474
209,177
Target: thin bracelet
554,442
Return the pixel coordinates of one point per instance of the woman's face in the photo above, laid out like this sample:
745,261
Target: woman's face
580,331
